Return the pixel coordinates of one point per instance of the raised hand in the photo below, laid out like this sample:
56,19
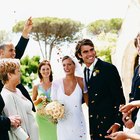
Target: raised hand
27,28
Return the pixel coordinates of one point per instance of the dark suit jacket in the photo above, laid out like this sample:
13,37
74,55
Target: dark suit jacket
4,121
135,91
105,96
20,49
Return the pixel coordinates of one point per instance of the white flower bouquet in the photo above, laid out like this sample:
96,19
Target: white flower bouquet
40,109
55,110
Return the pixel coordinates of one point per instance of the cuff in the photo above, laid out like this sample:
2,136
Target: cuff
117,124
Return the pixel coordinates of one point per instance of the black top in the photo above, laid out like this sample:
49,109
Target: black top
135,91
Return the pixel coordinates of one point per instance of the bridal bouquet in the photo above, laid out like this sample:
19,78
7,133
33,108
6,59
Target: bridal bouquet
55,110
40,109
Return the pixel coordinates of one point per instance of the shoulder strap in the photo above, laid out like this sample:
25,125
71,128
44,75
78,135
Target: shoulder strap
79,81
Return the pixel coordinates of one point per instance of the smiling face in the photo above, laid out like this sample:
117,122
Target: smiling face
10,71
45,71
15,77
68,66
8,51
88,54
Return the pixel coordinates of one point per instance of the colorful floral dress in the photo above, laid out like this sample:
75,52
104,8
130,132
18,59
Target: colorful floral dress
47,130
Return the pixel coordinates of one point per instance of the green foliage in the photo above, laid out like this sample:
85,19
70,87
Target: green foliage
106,43
98,26
29,68
52,31
105,54
113,25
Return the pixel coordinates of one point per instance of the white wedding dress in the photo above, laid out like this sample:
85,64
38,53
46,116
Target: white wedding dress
72,126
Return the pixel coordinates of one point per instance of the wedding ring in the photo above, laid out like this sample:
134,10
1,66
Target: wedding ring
127,118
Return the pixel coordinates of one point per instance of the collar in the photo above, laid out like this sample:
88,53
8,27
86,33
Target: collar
92,65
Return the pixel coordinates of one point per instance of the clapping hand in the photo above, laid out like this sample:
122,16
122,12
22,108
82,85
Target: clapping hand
127,120
126,111
128,108
15,120
117,136
113,128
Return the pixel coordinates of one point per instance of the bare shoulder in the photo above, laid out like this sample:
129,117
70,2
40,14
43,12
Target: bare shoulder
35,86
80,81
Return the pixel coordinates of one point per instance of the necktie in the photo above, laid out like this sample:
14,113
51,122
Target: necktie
87,74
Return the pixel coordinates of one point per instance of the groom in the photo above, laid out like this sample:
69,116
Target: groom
105,93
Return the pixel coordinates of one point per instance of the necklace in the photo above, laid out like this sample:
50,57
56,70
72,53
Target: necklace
12,90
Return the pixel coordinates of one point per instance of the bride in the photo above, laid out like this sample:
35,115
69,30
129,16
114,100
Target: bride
69,91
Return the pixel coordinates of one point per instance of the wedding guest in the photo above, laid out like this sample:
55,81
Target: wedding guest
69,91
7,122
8,51
128,119
41,95
105,93
16,103
134,132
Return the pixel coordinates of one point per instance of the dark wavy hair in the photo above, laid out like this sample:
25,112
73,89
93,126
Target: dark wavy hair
45,62
136,40
78,48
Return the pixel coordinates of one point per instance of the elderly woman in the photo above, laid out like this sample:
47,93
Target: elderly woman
15,102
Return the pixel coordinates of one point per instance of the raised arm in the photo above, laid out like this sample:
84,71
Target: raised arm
21,46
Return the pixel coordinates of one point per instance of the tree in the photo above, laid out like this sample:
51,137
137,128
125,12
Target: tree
51,32
106,33
113,25
106,43
29,68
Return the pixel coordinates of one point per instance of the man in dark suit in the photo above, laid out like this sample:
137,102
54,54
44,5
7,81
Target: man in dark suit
105,93
9,51
135,89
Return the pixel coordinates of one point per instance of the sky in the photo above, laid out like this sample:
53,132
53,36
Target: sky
85,11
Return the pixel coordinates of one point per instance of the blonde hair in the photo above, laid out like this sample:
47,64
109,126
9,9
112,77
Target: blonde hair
8,66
